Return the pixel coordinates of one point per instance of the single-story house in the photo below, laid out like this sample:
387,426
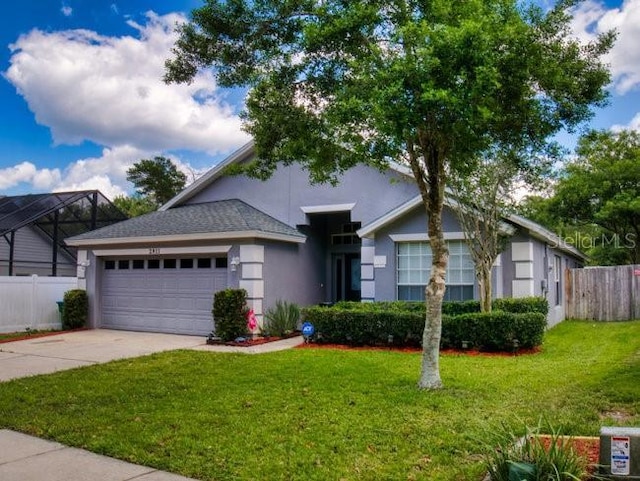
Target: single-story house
35,226
364,240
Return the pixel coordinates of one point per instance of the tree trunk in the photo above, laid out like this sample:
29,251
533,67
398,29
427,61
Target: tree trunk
434,203
430,372
484,283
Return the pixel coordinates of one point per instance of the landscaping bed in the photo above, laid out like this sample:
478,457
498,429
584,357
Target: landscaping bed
22,335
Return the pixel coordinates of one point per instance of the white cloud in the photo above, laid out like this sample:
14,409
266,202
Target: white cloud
66,10
26,172
85,86
592,17
633,125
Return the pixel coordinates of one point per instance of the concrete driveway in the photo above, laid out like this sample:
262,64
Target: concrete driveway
44,355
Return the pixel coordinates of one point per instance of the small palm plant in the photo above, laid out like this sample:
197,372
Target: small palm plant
530,458
282,319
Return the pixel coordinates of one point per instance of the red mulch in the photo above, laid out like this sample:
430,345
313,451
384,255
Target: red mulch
586,447
449,352
256,341
40,334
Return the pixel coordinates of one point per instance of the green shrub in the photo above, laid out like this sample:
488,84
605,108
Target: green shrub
230,314
282,319
76,309
362,327
493,331
452,308
522,304
510,456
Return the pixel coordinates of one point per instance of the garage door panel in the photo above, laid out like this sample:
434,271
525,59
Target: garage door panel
161,300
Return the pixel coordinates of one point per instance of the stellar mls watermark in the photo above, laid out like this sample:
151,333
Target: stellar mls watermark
585,241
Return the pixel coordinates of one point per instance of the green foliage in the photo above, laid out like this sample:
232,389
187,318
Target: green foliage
365,327
508,453
230,313
281,319
135,205
522,304
158,179
386,323
452,308
461,76
496,330
76,309
595,205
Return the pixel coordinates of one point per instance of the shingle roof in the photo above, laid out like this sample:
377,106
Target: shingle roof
225,216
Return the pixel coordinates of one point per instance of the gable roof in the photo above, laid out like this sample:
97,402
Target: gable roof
248,150
534,229
226,219
243,153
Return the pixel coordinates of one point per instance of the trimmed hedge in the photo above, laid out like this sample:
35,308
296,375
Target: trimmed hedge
365,327
230,313
452,308
402,324
75,309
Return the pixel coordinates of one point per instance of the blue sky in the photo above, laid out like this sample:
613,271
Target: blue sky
82,97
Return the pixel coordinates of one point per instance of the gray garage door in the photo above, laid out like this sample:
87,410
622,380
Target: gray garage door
161,295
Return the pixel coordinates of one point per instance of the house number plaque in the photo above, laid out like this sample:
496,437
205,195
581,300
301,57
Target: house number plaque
154,250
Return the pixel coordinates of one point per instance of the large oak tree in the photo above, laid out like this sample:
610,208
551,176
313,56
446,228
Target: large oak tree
335,83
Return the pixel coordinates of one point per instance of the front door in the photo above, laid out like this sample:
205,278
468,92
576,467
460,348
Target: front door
346,277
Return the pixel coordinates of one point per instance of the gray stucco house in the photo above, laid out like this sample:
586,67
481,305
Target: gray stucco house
364,239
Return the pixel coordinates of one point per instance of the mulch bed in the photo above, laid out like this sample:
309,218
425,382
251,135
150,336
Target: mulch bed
585,446
35,335
249,341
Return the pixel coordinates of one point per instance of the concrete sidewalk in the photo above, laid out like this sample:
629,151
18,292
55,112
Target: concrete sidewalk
25,458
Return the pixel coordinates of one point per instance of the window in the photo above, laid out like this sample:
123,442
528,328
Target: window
204,263
153,264
138,264
109,265
221,263
123,264
557,268
186,263
414,269
347,235
169,264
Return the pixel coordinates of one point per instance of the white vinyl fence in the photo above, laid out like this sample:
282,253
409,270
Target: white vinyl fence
30,302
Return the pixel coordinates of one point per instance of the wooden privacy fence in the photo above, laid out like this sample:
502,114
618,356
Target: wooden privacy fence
603,293
30,302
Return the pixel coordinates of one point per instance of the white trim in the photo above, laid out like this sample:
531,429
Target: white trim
369,229
522,288
522,251
244,152
160,251
546,235
327,209
252,253
424,237
524,270
204,236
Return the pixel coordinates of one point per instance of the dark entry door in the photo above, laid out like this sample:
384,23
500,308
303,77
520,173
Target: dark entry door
346,277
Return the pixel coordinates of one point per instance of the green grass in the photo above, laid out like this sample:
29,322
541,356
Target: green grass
329,415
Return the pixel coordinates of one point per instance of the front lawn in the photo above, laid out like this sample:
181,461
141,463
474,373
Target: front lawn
326,414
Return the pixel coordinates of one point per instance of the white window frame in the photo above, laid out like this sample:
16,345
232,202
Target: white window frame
461,273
